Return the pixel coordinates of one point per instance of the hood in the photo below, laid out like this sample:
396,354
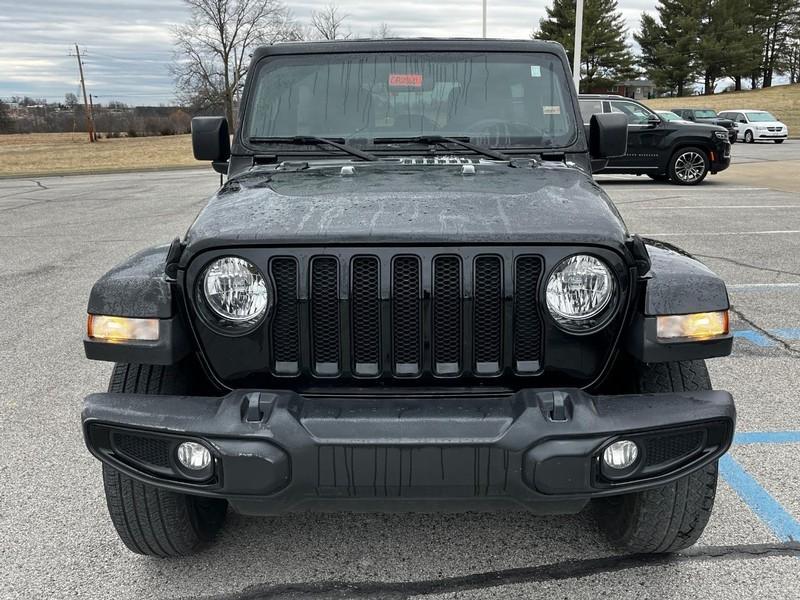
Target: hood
716,121
767,124
395,203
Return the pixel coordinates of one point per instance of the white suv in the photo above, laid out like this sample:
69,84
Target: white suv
752,125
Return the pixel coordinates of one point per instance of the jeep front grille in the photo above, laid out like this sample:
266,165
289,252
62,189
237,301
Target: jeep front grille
405,315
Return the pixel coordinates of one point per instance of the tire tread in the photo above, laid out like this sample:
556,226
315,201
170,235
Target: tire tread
149,520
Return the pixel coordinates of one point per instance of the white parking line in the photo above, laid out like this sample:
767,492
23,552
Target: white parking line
717,233
715,206
752,287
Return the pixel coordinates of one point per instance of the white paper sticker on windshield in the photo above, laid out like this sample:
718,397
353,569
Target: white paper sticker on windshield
551,110
536,71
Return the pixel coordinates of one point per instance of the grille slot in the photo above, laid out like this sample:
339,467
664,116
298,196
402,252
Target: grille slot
488,314
285,323
527,319
324,288
366,315
447,315
147,450
666,448
406,315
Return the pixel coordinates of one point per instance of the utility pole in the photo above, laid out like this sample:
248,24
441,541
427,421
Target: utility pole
91,112
87,107
576,59
484,18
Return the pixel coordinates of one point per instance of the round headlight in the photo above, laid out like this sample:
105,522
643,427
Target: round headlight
579,289
235,289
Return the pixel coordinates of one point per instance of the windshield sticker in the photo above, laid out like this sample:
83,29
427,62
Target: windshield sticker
536,71
551,110
405,80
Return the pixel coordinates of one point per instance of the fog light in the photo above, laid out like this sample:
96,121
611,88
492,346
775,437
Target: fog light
621,454
194,456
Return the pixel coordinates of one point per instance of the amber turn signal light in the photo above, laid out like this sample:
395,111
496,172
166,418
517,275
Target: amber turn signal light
695,326
121,329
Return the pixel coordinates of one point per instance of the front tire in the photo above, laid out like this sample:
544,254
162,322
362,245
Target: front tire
150,520
688,166
748,137
671,517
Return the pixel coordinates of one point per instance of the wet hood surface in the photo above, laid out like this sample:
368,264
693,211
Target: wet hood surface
392,204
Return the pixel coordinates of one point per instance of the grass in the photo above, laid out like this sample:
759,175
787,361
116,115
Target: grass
783,101
60,153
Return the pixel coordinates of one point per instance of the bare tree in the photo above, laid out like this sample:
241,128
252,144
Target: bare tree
328,23
213,48
382,32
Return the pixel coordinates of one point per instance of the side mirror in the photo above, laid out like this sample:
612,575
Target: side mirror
211,140
608,135
653,121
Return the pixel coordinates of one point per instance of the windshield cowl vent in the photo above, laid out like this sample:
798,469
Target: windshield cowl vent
437,160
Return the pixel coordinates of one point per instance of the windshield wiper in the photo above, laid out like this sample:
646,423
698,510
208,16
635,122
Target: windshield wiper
441,140
306,140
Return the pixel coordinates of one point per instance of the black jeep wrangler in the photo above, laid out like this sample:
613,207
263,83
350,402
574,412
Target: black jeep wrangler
409,295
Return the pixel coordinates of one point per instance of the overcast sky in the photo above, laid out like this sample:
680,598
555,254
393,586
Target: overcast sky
129,48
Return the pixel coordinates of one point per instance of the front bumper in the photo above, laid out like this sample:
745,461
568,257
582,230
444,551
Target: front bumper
720,157
771,135
276,451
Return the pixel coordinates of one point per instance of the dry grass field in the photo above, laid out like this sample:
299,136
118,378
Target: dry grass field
783,101
59,153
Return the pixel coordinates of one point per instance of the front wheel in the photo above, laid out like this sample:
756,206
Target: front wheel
688,166
748,137
150,520
671,517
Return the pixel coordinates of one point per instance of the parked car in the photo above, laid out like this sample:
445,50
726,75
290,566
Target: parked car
409,294
708,115
675,151
755,125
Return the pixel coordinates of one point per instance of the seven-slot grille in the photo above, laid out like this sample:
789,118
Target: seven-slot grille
406,315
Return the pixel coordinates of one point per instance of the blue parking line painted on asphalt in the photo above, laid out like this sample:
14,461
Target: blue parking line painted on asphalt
759,339
769,510
767,437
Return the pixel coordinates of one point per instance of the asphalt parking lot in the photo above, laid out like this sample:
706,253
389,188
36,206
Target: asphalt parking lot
56,541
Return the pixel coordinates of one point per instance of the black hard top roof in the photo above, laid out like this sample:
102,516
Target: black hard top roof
410,45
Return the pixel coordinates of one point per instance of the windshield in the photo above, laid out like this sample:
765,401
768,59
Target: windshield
494,99
705,114
668,116
760,117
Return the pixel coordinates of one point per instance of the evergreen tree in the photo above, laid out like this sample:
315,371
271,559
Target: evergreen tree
670,44
605,56
741,47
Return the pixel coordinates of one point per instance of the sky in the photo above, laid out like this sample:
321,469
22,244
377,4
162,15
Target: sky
128,43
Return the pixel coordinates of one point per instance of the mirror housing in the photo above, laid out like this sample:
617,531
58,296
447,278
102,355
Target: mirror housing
608,135
211,139
653,121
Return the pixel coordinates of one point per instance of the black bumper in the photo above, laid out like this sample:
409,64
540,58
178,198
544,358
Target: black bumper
720,157
276,451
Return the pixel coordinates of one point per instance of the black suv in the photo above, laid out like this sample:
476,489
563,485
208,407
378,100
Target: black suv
409,294
710,116
682,153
